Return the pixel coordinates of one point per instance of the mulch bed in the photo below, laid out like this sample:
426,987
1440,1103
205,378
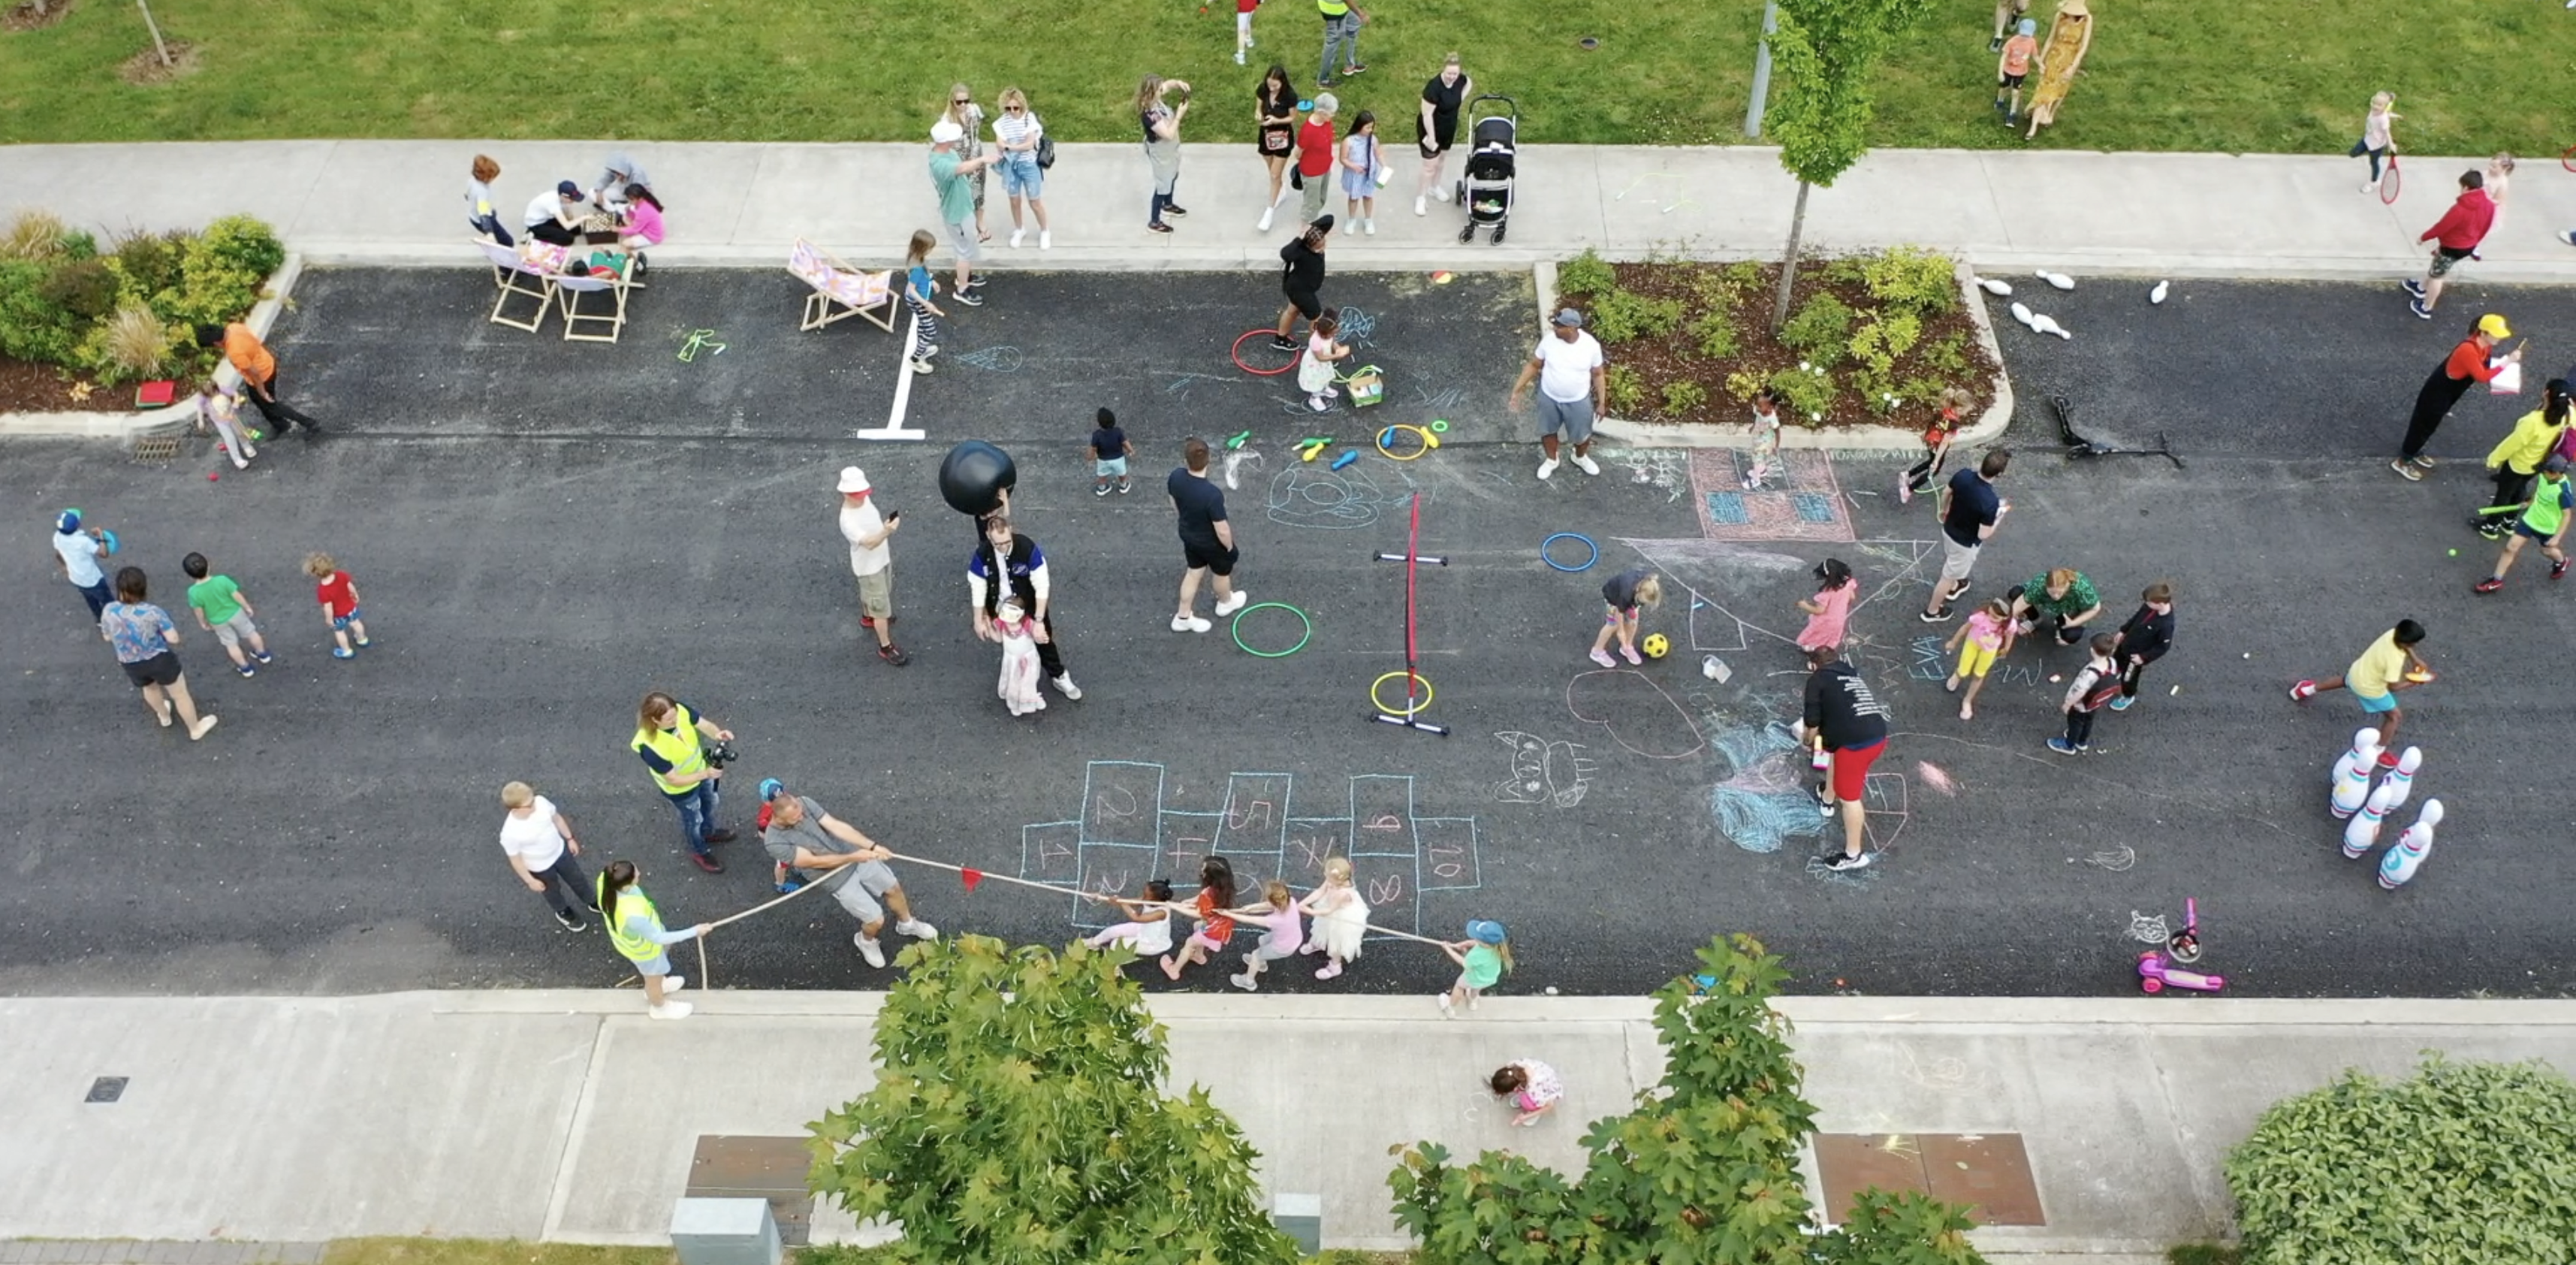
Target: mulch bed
22,16
29,388
146,67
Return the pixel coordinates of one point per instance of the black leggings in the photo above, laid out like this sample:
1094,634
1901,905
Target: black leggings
553,233
2510,489
1920,477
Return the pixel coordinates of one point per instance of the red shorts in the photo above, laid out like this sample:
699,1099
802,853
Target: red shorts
1851,771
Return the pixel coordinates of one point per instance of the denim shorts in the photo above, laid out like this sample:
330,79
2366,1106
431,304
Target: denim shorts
342,622
1020,175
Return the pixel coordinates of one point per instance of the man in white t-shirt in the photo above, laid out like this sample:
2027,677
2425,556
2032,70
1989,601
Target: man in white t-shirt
871,537
1568,366
537,838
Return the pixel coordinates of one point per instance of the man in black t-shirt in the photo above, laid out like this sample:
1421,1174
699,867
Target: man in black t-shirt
1970,512
1207,539
1848,723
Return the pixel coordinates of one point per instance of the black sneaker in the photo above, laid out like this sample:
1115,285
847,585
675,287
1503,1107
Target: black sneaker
2415,288
1941,616
1281,342
1348,71
1158,227
1995,45
969,298
1173,209
570,922
1845,861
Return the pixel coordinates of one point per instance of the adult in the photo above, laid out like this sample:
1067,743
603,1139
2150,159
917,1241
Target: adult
1342,21
635,928
1301,277
1848,723
1017,134
537,839
1007,564
2469,364
481,213
2070,36
76,555
952,176
2007,13
969,118
824,849
1317,155
1437,127
1573,390
555,216
2516,460
1207,538
2064,596
615,188
670,737
257,366
871,537
143,636
1161,120
2455,237
1971,511
1274,113
2390,664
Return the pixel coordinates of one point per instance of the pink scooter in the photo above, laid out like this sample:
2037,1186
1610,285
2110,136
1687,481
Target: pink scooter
2157,970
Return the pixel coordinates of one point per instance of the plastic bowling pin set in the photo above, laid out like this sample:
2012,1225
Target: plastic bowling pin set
2362,808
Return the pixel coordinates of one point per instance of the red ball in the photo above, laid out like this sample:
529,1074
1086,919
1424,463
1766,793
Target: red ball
211,476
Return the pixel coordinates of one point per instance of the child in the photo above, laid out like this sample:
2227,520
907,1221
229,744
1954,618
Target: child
1936,440
1341,918
1533,1087
1764,460
1281,935
2544,518
1019,683
2144,639
1483,958
1986,637
1148,930
2011,66
1315,369
1625,595
1363,170
2375,138
1216,897
1109,453
220,411
918,286
339,597
1243,28
2097,683
224,610
1831,607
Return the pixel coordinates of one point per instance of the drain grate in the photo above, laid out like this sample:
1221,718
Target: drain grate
106,1089
157,448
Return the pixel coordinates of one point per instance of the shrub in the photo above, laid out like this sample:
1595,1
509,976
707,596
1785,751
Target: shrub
86,289
36,236
1622,315
1924,392
1626,389
1683,397
1821,331
1743,275
1742,383
79,245
1911,279
2460,1162
223,269
1805,394
1587,275
149,268
132,345
1947,356
1714,335
31,328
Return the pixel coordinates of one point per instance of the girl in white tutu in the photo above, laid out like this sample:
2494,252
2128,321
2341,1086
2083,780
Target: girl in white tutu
1341,918
1019,685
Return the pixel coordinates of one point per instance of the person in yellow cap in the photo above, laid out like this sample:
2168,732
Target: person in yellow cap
2470,363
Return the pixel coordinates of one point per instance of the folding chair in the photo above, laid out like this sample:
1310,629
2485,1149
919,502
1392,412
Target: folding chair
840,290
516,277
569,289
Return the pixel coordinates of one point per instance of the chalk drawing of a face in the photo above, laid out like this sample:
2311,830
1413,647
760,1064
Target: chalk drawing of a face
1544,772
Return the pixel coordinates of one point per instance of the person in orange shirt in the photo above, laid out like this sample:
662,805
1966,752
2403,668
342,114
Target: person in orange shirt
2012,67
2469,364
258,369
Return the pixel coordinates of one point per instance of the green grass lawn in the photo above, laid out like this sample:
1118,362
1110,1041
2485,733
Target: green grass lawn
2471,76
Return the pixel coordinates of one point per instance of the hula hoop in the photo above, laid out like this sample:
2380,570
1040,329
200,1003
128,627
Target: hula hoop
1440,426
1236,352
1428,443
1569,535
1237,629
1380,683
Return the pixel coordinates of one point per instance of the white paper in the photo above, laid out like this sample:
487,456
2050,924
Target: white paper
2508,380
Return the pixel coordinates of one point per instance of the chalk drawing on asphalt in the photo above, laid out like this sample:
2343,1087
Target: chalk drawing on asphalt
1543,771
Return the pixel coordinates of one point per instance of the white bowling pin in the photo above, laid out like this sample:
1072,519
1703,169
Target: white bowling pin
2361,834
2399,866
2354,789
1999,289
2402,780
2021,313
2058,279
2157,295
2365,748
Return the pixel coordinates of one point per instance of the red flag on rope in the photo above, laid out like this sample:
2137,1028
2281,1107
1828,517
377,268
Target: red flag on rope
971,875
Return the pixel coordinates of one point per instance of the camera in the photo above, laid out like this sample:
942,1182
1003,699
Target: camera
721,753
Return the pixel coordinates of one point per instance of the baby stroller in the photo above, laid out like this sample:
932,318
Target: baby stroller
1486,190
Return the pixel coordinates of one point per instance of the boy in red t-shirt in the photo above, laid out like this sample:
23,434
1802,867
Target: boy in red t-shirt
339,597
1316,158
2012,66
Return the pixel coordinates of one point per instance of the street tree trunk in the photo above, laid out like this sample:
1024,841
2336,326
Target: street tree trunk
1789,267
155,27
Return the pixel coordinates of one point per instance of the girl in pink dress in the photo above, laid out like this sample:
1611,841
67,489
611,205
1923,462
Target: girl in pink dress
1836,590
1019,686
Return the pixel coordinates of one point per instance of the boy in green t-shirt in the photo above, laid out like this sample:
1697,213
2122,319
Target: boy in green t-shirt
223,609
2544,518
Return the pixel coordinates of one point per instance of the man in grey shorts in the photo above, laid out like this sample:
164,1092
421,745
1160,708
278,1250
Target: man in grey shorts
1970,511
826,850
1570,371
953,178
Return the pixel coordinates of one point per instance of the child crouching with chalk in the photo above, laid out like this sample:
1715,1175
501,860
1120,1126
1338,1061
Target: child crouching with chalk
1483,958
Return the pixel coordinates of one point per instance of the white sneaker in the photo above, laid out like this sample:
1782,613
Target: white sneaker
868,949
1319,404
1445,1011
1442,193
1586,464
2370,186
1064,685
1046,239
1232,604
917,929
1547,467
1190,623
1238,57
1264,226
1369,226
670,1010
1421,206
920,365
1016,235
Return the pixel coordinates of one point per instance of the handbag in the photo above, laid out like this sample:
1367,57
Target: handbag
1046,143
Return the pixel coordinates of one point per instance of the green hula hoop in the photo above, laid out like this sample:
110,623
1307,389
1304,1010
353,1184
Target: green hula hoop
1237,629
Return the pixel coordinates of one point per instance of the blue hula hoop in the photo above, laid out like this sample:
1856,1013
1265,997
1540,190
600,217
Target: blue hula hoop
1569,535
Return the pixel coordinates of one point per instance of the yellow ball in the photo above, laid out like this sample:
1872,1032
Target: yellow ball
1656,645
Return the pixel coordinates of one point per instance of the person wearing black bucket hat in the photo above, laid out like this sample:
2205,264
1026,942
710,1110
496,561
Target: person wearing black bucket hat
1301,277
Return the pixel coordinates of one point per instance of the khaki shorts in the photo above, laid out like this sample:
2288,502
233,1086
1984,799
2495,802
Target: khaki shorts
858,893
232,631
876,593
1957,560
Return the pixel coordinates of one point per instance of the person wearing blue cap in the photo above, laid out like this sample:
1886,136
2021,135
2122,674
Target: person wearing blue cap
555,215
76,555
1483,958
2012,66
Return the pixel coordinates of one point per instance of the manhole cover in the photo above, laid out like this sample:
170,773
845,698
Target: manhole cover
106,1089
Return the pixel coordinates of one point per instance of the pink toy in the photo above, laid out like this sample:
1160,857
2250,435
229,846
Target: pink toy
2155,975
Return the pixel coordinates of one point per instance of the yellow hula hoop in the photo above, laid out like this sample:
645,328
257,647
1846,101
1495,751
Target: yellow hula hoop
1380,683
1429,441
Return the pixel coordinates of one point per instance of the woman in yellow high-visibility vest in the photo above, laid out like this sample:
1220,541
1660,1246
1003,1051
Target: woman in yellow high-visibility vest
635,927
671,737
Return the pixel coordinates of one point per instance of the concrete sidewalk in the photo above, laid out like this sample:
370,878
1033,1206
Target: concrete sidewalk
402,202
570,1116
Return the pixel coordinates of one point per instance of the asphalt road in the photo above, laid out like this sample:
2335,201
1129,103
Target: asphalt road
543,532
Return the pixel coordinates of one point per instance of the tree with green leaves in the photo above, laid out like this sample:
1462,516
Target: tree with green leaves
1019,1119
1826,53
1704,1168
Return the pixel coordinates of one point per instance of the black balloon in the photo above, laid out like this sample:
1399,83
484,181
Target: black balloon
973,476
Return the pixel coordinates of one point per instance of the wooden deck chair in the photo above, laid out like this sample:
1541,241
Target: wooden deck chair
517,278
609,313
841,291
